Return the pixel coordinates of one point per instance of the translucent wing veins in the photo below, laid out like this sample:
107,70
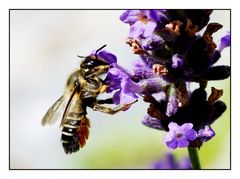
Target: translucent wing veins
54,113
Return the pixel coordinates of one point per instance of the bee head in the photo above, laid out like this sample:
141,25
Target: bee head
92,64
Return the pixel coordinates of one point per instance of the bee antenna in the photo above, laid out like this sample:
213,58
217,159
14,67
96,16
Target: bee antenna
99,50
81,56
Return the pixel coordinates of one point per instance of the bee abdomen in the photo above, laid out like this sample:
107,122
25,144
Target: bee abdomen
74,134
69,136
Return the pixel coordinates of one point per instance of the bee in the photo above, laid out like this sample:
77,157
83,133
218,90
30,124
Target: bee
81,91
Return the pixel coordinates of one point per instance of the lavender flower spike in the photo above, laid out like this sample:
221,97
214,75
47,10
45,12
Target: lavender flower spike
179,136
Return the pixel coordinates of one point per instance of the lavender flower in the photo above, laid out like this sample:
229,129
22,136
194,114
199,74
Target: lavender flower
152,122
224,42
174,31
206,134
152,42
200,112
179,136
114,77
177,61
178,55
170,162
142,22
172,54
129,85
104,55
172,106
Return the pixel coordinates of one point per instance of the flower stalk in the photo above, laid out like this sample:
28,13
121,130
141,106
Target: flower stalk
193,155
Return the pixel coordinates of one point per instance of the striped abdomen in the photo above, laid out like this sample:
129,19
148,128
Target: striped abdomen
75,132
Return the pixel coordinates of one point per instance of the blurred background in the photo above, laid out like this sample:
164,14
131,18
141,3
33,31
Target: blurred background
44,45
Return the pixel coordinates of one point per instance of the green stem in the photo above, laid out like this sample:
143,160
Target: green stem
193,154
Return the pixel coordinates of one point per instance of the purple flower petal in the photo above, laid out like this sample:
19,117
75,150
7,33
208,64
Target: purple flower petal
120,78
141,70
172,144
130,16
149,28
124,98
144,29
177,62
170,162
128,86
206,134
116,97
182,142
186,127
136,30
172,106
179,136
139,64
114,78
158,15
191,135
152,122
224,42
185,163
107,56
151,85
169,136
173,126
117,73
141,22
152,42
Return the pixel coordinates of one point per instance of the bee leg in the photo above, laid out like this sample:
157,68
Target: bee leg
104,109
108,110
103,88
105,101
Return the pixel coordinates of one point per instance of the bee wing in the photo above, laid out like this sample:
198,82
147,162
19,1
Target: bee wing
68,106
74,104
55,111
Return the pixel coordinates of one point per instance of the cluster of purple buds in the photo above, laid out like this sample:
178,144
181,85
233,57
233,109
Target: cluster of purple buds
190,125
169,41
172,54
